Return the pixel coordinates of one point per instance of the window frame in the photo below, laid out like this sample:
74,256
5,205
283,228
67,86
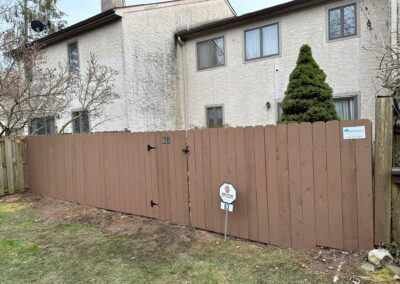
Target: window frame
198,53
341,8
214,106
356,97
42,117
356,103
69,56
73,121
261,42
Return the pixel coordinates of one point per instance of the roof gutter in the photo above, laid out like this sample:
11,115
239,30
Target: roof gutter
248,18
79,28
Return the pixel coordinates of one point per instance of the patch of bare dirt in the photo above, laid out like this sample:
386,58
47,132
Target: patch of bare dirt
340,265
108,221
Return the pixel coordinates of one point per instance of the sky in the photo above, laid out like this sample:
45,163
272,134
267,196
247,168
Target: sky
79,10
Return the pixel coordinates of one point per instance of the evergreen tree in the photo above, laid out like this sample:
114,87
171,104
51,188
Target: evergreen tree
308,97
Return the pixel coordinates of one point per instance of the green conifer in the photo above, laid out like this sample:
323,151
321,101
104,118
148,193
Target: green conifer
308,97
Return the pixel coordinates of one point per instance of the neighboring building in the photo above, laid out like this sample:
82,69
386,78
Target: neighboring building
193,63
139,42
238,69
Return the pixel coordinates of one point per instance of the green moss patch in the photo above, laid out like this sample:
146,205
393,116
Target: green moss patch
77,228
16,250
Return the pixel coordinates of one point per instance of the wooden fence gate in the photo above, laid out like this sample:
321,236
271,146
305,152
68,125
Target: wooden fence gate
299,185
120,172
12,162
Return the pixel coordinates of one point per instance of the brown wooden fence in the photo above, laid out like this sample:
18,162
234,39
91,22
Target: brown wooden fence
299,185
12,160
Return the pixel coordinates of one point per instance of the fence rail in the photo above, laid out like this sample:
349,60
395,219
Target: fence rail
299,185
12,157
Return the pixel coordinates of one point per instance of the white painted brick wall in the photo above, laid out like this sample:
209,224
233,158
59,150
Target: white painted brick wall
152,79
244,88
142,49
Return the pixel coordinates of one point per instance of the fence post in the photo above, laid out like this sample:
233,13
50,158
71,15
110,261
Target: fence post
9,165
19,167
383,169
2,183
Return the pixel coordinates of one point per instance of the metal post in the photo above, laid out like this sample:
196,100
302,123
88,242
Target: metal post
226,226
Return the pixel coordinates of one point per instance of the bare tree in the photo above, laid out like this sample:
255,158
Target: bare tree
24,97
47,91
92,90
389,67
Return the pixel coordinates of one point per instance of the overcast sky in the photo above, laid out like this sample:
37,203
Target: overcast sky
79,10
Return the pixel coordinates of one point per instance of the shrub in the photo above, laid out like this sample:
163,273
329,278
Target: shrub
308,97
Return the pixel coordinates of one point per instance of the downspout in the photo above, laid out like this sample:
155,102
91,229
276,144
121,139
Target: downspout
185,109
394,24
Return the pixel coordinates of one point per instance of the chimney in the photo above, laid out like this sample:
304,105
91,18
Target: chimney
110,4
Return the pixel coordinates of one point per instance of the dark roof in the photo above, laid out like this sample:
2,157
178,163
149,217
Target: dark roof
247,18
81,27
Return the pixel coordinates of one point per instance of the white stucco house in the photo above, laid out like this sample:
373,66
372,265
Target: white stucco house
194,63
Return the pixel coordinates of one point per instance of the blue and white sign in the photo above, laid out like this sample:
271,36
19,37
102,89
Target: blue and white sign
354,133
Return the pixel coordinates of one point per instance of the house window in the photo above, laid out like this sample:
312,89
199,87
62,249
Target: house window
346,108
42,126
211,53
343,21
215,117
262,42
73,57
80,121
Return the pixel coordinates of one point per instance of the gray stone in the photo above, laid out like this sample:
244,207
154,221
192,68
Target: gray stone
380,257
368,267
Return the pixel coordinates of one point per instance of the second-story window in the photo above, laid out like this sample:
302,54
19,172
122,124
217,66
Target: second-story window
211,53
262,42
343,21
73,57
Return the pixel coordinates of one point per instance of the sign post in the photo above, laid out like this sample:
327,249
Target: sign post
227,192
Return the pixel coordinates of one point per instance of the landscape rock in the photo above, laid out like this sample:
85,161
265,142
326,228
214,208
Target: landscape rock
380,257
368,267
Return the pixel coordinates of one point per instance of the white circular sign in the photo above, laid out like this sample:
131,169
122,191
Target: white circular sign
227,192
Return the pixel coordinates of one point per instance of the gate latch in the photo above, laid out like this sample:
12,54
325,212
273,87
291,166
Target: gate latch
186,150
149,148
152,203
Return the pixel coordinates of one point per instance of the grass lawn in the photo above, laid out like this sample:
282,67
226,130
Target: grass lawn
49,241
